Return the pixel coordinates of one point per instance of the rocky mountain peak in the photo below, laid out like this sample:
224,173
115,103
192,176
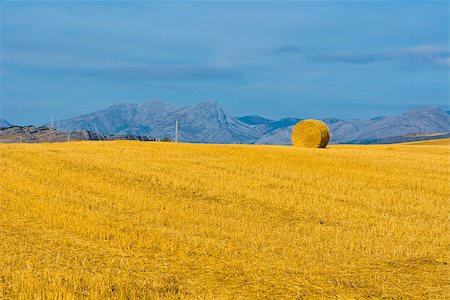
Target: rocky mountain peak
122,106
159,104
210,110
209,104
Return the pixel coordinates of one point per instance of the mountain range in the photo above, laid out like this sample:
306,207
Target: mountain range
207,122
410,125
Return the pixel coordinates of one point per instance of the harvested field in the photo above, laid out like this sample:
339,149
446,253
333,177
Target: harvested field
127,219
442,142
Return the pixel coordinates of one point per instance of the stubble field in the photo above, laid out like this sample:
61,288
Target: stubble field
159,220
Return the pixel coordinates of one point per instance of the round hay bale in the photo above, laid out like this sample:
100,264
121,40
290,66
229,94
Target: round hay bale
311,134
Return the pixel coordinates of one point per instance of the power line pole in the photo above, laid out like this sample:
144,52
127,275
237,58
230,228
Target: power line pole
176,131
177,117
53,122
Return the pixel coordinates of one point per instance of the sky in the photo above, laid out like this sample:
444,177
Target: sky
308,59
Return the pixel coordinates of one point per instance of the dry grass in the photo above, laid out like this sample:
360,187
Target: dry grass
445,141
161,220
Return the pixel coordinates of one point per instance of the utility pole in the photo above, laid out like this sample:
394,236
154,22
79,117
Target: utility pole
53,122
176,131
177,117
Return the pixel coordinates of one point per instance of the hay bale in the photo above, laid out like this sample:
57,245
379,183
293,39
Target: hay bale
311,134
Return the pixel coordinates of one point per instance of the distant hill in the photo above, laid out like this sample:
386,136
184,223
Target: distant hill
4,123
207,122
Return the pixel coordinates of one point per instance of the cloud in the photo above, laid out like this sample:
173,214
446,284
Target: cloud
289,49
428,54
107,69
349,57
176,72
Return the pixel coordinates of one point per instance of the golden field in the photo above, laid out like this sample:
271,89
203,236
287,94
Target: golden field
160,220
445,141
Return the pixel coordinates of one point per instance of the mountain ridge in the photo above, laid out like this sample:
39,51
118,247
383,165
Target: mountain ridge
207,122
421,119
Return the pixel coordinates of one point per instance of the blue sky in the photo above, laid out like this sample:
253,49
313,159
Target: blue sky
281,58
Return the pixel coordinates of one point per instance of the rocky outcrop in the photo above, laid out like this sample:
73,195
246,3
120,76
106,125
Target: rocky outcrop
40,134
